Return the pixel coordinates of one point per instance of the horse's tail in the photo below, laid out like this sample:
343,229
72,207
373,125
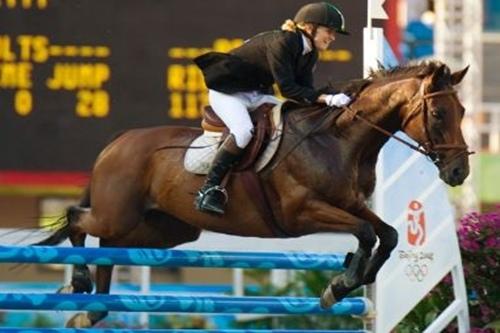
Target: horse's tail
61,233
63,223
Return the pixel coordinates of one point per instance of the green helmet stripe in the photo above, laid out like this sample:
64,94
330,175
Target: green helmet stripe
342,25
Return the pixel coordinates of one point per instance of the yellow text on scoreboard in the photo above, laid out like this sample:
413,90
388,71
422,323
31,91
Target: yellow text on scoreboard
19,55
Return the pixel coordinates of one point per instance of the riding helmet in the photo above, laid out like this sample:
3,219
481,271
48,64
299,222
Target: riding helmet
322,13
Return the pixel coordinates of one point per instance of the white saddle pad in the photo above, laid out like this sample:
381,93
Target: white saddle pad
201,153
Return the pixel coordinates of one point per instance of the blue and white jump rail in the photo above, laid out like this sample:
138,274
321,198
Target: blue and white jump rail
170,258
90,330
358,306
180,304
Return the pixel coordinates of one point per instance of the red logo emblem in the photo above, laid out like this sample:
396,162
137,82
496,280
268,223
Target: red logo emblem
416,224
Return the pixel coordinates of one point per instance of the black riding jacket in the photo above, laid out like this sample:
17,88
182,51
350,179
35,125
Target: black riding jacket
268,58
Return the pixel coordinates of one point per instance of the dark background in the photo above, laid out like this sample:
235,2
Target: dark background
139,34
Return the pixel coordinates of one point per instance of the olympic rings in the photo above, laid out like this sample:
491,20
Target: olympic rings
416,272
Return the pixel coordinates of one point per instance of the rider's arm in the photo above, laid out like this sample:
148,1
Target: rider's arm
281,55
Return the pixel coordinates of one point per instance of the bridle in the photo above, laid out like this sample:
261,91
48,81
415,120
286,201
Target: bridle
428,148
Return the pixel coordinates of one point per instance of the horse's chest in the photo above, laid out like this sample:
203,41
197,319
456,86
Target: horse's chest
357,184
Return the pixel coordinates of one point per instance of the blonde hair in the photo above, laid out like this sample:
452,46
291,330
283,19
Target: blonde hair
291,26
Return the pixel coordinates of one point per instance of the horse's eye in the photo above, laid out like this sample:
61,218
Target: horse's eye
438,114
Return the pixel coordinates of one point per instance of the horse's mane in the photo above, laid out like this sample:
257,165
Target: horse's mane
411,69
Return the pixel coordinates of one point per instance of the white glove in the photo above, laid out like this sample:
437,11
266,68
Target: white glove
337,100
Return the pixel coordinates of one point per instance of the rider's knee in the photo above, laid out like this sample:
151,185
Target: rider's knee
243,135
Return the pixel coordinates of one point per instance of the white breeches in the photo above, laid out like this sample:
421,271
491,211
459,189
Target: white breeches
233,111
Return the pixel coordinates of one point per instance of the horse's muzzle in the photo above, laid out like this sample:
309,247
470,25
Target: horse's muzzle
456,172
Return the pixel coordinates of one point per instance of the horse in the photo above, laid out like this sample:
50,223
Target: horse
140,195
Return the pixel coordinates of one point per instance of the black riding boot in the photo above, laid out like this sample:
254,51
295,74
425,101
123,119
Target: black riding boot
212,197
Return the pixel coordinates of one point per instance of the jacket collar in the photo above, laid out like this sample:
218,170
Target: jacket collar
306,43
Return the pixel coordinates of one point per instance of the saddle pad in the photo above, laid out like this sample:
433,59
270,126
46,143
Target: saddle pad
202,150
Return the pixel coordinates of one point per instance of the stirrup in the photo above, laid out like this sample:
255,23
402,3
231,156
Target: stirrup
217,188
210,200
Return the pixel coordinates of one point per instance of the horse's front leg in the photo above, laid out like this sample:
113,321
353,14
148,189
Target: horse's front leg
325,217
388,237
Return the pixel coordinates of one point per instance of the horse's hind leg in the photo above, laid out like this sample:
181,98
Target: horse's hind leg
157,230
103,284
81,281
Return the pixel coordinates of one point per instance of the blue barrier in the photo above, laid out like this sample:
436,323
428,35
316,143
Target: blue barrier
127,287
195,304
170,258
101,330
171,303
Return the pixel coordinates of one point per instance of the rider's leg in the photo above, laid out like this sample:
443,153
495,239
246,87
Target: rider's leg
233,112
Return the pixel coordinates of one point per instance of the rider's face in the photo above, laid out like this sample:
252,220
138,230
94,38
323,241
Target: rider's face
324,37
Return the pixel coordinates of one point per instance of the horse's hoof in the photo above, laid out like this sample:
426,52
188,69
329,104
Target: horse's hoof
82,285
80,320
327,298
65,290
335,292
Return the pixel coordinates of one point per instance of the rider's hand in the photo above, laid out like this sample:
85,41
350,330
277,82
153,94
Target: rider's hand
337,100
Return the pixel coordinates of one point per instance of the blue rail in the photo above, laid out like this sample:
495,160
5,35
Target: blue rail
182,304
108,330
170,258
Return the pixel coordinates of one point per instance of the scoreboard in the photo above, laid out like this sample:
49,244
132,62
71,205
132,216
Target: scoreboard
75,72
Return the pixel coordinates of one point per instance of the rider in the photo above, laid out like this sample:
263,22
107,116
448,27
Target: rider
241,81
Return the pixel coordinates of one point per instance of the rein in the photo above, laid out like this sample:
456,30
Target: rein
429,148
323,119
355,115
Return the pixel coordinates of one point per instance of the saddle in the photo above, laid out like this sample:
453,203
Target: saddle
263,129
268,125
264,132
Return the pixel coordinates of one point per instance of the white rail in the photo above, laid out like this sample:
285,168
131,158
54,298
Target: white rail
488,127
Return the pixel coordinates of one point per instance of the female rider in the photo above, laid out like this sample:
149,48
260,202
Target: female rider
241,81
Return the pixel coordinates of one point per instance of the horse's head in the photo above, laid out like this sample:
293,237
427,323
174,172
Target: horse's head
433,118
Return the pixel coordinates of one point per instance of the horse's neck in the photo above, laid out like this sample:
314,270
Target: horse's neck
383,110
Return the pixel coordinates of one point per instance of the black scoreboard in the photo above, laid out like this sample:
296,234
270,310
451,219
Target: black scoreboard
74,72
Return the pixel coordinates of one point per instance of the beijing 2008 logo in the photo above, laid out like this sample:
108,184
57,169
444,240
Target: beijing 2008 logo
417,261
416,232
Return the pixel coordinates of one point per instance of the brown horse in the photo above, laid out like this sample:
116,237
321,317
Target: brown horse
141,196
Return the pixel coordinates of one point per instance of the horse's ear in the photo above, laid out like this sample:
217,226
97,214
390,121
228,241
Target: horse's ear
435,80
438,75
457,77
